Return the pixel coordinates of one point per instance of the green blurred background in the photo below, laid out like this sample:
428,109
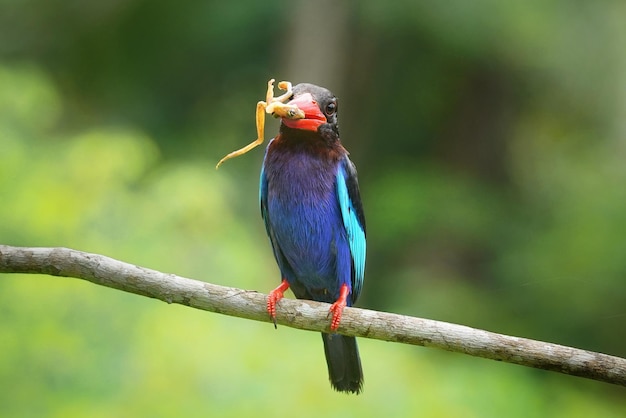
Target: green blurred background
490,139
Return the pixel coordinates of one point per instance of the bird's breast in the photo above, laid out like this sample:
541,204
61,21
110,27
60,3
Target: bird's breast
304,213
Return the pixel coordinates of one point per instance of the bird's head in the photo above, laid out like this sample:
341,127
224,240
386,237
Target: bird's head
318,104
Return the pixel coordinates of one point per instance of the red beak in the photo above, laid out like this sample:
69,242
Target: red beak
313,116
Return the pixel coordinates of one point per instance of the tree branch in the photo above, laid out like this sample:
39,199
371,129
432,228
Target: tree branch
312,316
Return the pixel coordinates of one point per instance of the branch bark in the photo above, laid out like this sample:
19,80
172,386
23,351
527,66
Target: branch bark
312,316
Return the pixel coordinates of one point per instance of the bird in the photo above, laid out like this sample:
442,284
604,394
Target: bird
311,206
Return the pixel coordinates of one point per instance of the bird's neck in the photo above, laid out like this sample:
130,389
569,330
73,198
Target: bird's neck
321,143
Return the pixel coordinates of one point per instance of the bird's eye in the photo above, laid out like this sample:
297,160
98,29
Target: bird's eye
331,108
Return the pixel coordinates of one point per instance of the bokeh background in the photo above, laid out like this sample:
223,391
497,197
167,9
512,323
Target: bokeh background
490,139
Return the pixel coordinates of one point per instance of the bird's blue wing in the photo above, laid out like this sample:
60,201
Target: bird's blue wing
353,220
263,196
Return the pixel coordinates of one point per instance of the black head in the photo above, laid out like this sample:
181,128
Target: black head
318,104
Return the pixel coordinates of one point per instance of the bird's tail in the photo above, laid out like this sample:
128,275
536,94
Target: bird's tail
344,364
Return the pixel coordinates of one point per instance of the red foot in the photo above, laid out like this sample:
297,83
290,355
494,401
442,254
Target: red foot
337,307
276,295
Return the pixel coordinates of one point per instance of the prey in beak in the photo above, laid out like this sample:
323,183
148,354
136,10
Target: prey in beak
274,106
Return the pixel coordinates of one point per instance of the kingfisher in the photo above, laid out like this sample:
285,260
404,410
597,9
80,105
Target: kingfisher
311,207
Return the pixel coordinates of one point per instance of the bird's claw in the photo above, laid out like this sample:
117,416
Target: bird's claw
337,310
273,298
337,307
